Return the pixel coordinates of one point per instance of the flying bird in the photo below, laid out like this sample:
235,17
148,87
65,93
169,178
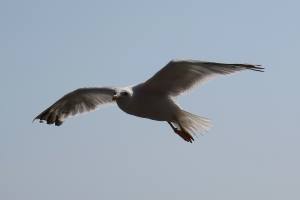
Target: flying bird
152,99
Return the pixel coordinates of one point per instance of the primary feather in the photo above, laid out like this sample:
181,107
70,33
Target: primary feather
180,75
78,101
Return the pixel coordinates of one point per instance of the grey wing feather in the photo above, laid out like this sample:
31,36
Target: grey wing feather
180,75
78,101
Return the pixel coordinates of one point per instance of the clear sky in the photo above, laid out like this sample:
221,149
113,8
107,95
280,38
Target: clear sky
49,48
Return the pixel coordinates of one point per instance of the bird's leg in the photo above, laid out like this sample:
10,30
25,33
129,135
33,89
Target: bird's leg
182,133
173,127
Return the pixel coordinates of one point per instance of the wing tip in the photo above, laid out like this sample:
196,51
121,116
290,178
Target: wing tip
38,117
46,119
257,68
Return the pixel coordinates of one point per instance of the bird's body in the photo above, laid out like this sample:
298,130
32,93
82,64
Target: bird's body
156,105
153,99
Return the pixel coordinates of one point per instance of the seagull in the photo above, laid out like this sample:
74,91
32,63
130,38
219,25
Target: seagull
153,99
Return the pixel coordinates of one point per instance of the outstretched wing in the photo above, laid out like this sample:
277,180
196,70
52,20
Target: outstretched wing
78,101
180,75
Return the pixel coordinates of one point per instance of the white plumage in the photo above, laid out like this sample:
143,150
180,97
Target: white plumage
151,99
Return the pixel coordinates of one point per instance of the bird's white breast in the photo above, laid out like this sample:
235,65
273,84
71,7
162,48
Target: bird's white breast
150,106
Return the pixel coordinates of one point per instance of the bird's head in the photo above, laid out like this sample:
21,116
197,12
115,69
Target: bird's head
122,94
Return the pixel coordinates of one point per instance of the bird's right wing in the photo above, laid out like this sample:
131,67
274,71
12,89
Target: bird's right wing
180,75
78,101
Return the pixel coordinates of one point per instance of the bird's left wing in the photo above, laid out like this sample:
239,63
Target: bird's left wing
180,75
76,102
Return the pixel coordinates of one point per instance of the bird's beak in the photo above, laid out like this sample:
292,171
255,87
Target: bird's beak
115,97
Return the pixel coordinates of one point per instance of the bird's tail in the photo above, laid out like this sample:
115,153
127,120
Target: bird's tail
193,124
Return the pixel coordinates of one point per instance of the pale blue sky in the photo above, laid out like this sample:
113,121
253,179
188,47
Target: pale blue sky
49,48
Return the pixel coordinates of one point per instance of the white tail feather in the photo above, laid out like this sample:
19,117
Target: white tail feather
194,124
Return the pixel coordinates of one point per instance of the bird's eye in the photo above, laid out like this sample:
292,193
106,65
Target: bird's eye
124,93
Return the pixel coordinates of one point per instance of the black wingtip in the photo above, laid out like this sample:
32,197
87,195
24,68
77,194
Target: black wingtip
257,68
36,118
58,122
49,118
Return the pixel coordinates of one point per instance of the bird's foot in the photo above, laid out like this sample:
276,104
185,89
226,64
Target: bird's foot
182,133
186,136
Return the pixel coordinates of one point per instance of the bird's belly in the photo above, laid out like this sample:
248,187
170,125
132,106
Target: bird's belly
155,110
